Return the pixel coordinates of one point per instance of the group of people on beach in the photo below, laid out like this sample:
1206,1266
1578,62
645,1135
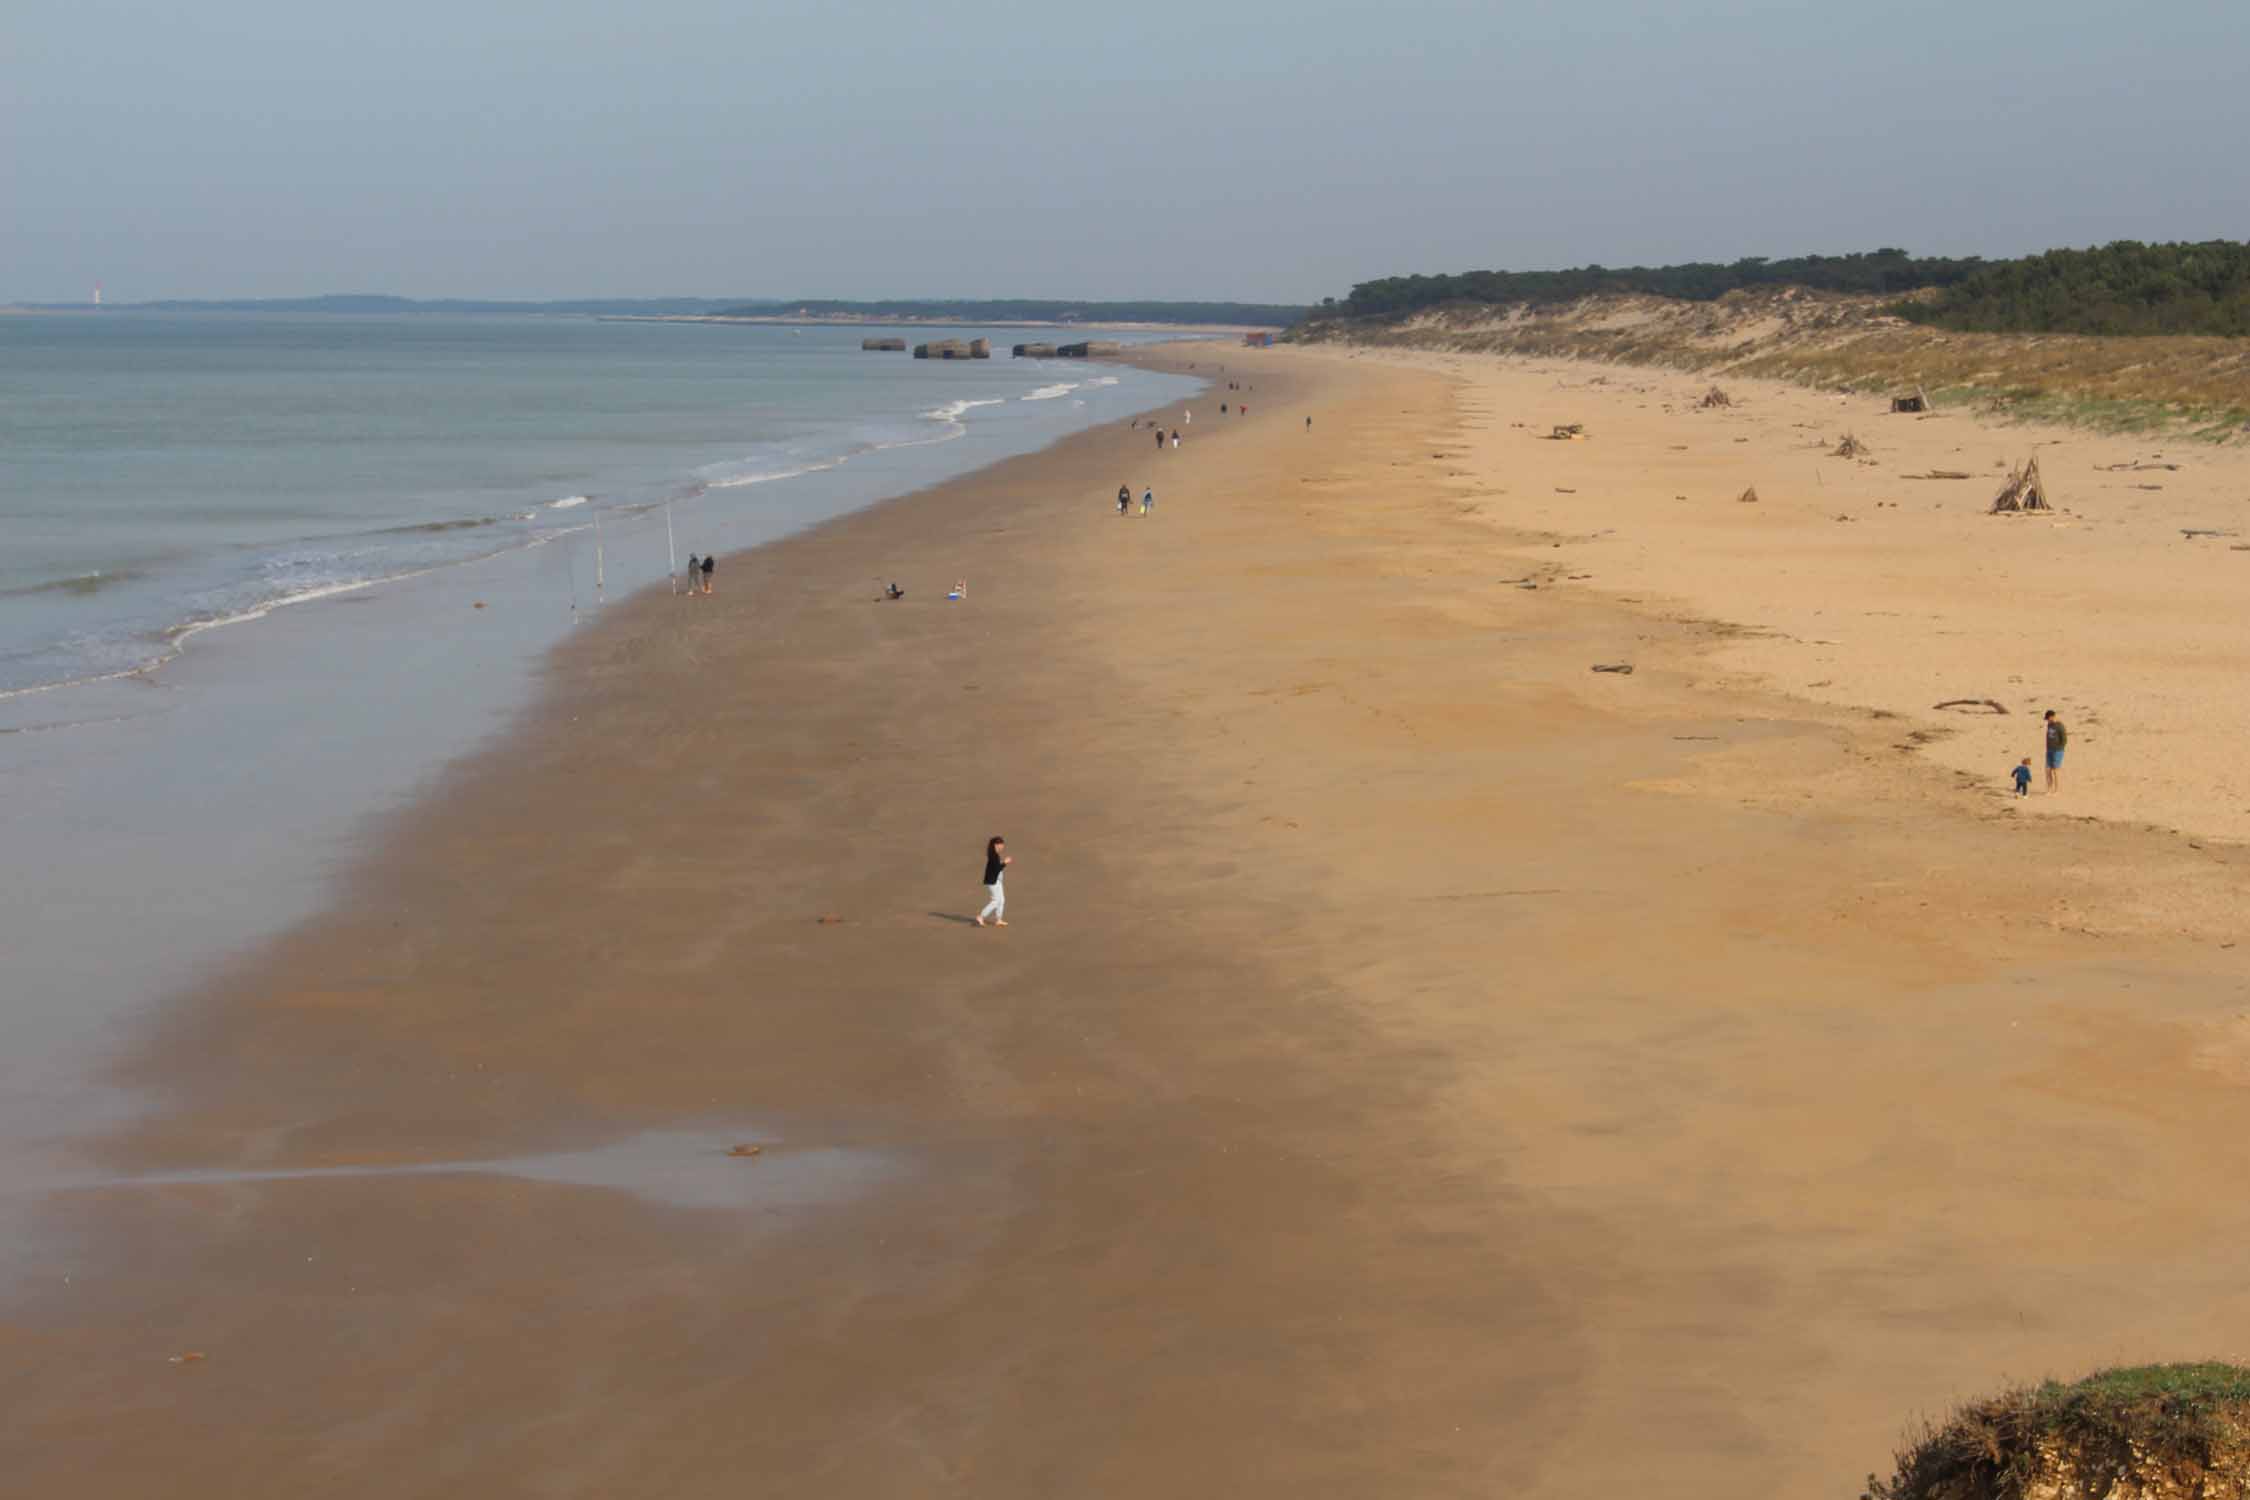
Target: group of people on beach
2058,738
699,571
1125,500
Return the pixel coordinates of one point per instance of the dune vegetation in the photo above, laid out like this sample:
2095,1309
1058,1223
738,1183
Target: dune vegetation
2150,1432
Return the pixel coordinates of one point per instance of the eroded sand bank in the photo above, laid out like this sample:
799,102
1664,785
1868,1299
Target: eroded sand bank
1417,1065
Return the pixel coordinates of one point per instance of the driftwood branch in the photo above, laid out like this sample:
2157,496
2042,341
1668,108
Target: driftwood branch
1992,703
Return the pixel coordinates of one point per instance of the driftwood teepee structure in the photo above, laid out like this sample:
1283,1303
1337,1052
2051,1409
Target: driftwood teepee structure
1715,397
2023,491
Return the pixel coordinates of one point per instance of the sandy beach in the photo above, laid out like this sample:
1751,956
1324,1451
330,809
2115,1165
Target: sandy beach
1862,583
1417,1064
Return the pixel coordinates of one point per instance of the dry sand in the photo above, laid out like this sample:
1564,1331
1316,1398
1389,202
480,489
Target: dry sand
1856,584
1417,1065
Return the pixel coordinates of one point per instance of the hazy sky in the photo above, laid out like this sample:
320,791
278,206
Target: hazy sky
1257,149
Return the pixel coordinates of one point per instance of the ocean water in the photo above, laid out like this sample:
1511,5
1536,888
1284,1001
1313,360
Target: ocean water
262,578
167,474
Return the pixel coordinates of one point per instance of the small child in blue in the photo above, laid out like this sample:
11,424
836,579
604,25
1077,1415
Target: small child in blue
2022,774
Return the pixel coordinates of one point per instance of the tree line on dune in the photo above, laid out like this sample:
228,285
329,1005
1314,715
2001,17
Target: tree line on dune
2123,288
1882,271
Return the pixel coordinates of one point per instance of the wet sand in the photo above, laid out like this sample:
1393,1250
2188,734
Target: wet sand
1416,1065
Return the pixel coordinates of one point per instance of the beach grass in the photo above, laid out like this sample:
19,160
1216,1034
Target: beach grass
2103,414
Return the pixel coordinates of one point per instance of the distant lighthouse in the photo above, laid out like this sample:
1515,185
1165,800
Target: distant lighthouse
97,294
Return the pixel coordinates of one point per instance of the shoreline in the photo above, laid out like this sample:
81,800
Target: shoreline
599,648
1413,1058
493,533
166,822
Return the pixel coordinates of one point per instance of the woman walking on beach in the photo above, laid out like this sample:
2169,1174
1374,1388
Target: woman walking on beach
996,864
709,564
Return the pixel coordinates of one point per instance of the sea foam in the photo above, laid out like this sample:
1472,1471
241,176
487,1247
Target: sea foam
954,411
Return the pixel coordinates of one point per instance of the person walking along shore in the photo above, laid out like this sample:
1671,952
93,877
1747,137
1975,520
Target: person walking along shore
996,862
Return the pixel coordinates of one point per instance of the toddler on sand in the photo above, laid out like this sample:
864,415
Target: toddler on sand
2022,774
